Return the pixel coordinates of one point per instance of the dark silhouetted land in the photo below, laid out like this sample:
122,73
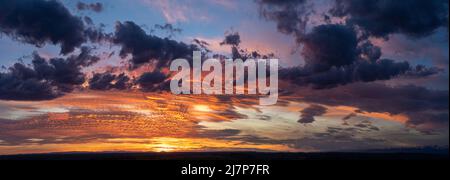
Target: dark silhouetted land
230,156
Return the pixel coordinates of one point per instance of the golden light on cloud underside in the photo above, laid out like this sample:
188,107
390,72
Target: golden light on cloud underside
163,144
400,118
167,122
202,108
161,122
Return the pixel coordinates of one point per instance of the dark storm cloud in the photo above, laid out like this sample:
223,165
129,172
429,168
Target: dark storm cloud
363,71
339,54
335,56
64,72
308,114
45,78
107,81
427,109
16,88
373,97
379,18
39,21
329,45
149,81
122,82
95,33
96,7
423,71
291,16
85,58
369,52
146,48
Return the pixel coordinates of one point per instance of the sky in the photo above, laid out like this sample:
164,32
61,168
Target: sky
92,76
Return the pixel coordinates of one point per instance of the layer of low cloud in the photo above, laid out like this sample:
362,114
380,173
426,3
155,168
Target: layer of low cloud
426,109
310,112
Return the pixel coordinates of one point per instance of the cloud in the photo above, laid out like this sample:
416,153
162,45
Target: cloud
16,88
369,52
224,3
291,16
339,54
218,134
96,7
45,78
146,48
426,109
212,44
168,28
149,81
237,52
415,18
310,112
38,22
335,56
232,39
172,11
329,45
383,69
107,81
423,71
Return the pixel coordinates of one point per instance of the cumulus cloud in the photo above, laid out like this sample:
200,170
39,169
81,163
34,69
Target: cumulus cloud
329,45
339,54
233,39
40,22
18,88
150,80
415,18
423,71
335,56
291,16
383,69
168,28
146,48
107,81
45,78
